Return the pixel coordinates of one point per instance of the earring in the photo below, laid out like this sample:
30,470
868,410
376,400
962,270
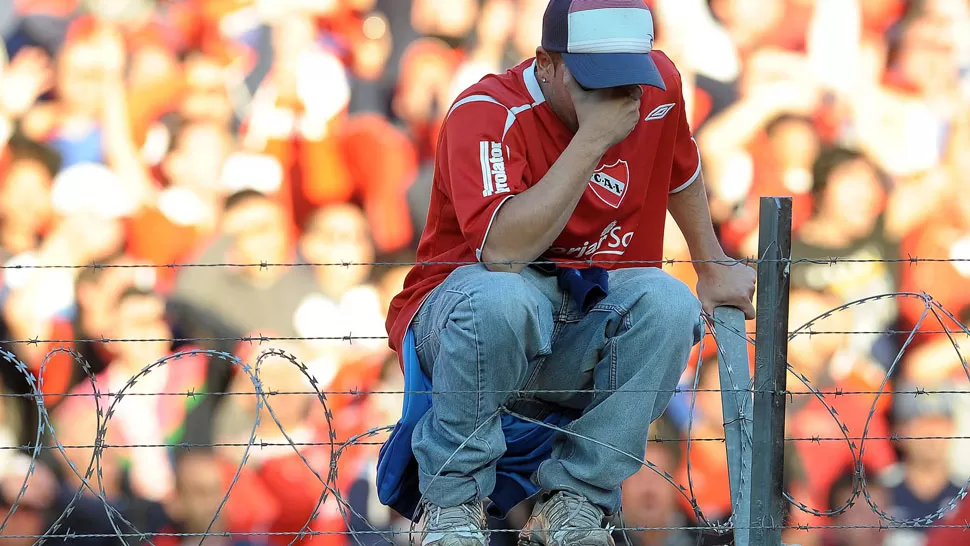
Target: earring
545,80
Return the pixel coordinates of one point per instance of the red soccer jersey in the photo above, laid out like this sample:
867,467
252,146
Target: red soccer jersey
500,138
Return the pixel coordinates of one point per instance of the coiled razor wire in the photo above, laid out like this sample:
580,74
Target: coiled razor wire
860,483
91,478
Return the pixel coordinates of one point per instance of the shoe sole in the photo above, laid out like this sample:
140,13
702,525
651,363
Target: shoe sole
529,541
474,542
460,541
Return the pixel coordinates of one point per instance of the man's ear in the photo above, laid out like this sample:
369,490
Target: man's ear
545,65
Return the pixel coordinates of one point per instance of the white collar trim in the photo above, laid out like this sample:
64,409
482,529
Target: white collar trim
532,84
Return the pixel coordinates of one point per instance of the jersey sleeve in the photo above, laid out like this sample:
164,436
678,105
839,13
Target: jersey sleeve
484,165
687,158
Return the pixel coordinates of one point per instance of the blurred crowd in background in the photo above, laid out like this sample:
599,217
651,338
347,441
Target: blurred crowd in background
236,134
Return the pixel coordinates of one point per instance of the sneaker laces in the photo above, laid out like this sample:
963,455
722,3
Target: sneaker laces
575,512
454,517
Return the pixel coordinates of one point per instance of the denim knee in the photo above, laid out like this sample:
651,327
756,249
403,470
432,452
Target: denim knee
489,319
681,307
666,303
507,308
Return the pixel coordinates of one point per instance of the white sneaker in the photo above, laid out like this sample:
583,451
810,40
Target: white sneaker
456,526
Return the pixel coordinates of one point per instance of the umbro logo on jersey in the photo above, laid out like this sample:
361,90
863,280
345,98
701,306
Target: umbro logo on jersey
660,112
494,178
609,182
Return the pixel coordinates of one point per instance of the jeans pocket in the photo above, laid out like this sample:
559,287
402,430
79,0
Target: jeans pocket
532,379
427,343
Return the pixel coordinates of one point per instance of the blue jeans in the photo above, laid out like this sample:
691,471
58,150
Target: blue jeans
491,339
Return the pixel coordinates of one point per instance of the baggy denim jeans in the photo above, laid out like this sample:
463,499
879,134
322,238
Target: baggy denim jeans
492,339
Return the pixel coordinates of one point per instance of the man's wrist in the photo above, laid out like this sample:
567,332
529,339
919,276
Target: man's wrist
709,262
595,144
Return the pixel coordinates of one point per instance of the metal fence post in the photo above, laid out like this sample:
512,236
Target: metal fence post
736,402
771,367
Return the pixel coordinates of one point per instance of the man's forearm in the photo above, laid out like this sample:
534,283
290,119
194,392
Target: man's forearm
690,210
529,223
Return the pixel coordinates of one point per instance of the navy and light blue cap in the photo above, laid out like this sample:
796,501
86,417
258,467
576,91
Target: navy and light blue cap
605,43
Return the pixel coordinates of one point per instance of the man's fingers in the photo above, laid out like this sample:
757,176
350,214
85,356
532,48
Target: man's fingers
636,92
744,305
574,87
749,310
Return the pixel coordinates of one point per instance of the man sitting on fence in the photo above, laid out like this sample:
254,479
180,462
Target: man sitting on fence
573,157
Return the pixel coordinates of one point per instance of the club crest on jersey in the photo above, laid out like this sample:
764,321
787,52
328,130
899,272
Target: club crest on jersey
609,182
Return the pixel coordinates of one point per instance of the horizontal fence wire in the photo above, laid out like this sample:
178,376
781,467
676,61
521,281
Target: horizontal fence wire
92,484
352,443
296,534
259,339
363,392
749,261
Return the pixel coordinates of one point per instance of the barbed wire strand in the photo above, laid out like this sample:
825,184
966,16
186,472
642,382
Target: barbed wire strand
365,392
750,261
350,338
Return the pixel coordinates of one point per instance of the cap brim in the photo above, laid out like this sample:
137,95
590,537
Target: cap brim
603,70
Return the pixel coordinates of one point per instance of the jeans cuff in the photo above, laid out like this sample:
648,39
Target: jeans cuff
450,491
553,476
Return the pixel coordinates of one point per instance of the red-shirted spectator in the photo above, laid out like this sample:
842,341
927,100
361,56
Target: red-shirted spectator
515,183
468,213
